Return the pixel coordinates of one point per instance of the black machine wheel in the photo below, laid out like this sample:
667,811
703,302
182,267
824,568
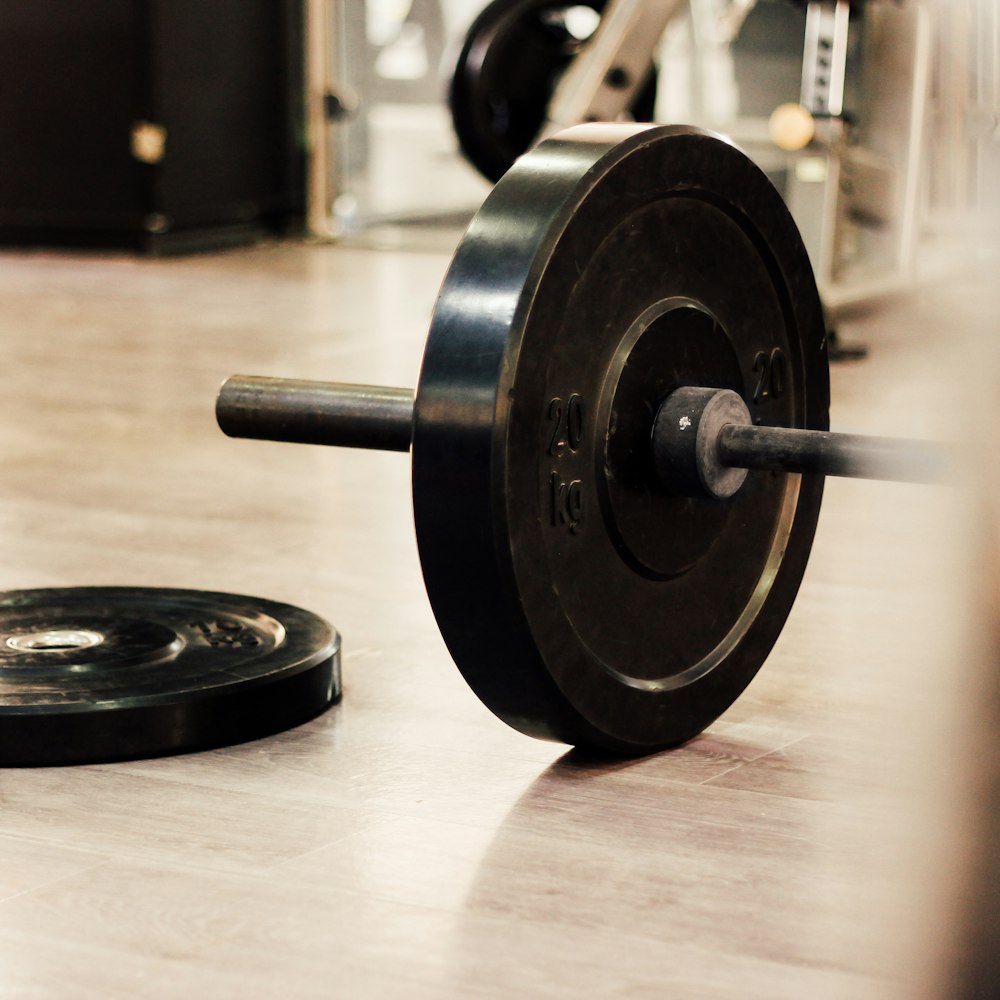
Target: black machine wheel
505,75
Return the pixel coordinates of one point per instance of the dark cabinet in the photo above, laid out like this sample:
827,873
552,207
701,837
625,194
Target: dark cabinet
154,124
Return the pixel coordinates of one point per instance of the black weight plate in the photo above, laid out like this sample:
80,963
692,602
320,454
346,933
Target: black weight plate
582,601
111,673
505,75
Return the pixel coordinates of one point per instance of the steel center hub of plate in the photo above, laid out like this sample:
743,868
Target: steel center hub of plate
54,640
580,598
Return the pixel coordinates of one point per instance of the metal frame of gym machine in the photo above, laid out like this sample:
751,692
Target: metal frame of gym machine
855,190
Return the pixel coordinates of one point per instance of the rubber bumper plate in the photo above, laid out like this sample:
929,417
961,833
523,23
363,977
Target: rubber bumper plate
102,674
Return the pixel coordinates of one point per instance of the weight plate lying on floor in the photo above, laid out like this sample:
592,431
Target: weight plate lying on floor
506,71
100,674
581,600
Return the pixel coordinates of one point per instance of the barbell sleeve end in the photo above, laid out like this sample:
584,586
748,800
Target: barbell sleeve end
309,412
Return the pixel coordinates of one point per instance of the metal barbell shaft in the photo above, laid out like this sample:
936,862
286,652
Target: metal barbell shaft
855,455
704,438
379,417
306,412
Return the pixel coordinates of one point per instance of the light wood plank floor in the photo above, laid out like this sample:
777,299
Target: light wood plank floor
406,843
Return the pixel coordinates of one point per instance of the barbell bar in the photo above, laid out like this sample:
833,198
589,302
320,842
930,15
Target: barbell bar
697,431
629,320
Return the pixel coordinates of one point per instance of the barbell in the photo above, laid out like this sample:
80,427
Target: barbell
619,435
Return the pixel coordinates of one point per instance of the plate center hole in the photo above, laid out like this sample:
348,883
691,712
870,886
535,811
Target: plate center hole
54,640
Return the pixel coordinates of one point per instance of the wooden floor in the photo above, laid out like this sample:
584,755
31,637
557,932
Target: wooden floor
406,843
